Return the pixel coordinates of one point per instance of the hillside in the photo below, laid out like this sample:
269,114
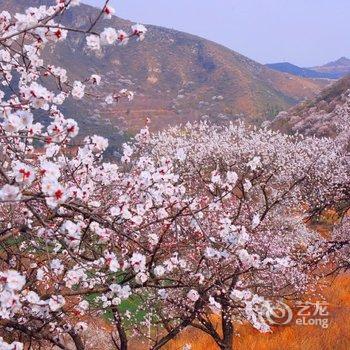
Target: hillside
317,116
332,70
290,68
338,68
176,76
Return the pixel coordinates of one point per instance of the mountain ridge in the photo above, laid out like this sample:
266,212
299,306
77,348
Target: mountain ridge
287,67
332,70
339,67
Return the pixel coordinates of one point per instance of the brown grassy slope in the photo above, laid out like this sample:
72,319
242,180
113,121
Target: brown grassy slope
336,337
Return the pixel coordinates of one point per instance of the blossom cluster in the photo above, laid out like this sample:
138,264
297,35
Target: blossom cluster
194,220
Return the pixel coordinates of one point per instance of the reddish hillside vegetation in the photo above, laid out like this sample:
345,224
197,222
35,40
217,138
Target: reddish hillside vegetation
318,116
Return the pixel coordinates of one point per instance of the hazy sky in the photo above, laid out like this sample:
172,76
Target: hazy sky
303,32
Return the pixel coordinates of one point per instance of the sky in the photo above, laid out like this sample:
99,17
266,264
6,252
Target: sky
304,32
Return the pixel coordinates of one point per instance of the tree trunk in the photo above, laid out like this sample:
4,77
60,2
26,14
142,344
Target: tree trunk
225,347
77,340
123,338
227,327
172,334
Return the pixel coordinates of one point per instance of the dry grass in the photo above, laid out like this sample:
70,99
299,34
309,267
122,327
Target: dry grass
335,337
292,337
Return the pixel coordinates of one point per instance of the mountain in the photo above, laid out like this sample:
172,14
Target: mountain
331,70
290,68
318,116
177,77
338,68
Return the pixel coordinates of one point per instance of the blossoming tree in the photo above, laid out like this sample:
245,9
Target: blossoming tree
191,222
239,243
45,181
